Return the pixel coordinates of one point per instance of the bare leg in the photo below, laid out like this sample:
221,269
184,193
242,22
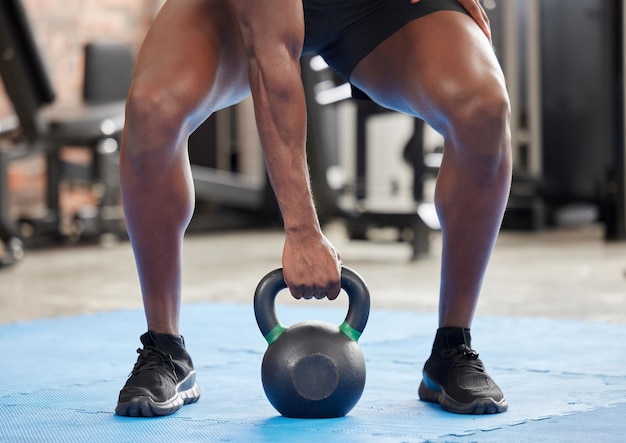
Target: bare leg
191,64
441,68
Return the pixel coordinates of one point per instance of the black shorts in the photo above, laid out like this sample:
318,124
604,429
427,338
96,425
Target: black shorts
345,31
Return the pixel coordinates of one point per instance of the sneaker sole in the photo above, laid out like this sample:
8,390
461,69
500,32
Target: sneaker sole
187,391
431,391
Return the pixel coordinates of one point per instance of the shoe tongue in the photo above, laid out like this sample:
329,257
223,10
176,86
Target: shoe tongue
163,342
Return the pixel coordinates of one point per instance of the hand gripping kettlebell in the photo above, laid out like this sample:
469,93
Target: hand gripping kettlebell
313,369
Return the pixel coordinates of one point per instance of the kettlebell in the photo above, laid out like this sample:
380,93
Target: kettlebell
313,369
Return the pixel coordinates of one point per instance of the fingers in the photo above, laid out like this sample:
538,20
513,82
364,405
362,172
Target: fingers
311,267
307,293
329,290
333,291
477,12
320,284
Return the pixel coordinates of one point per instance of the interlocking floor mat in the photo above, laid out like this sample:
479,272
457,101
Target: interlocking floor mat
59,380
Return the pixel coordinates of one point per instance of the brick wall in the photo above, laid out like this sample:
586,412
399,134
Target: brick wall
62,27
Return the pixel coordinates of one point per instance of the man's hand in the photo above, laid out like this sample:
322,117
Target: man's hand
311,266
477,12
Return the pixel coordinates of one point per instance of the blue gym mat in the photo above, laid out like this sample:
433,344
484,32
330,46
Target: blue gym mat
59,380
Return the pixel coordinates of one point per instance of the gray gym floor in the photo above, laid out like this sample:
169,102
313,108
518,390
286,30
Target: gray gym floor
566,273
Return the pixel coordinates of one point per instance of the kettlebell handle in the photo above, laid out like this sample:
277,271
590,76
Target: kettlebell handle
270,285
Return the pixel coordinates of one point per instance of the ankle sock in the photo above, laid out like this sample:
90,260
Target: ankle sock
451,337
165,342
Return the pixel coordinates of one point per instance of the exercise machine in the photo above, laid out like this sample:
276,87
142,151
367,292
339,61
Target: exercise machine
36,130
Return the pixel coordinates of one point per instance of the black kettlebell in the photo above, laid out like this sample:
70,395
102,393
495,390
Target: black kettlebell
313,369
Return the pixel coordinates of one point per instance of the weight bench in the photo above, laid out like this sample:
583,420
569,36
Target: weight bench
96,126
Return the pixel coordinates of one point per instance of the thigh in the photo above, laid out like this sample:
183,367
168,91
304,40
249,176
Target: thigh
431,66
345,31
194,53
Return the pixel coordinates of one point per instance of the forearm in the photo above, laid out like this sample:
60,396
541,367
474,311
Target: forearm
281,118
273,32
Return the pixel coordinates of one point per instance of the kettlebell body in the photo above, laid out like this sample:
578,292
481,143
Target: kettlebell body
313,369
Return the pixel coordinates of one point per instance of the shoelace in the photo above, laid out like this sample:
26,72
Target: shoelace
151,358
464,356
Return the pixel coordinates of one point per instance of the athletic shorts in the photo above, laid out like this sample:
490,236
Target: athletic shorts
343,32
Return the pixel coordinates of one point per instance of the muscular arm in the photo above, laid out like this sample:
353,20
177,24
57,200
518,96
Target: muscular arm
273,31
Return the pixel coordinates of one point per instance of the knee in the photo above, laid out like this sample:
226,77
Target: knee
479,132
480,119
155,120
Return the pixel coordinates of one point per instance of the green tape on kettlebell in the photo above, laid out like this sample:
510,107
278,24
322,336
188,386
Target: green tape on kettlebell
275,333
349,331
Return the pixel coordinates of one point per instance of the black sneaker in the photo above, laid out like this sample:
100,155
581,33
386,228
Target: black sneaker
456,378
162,380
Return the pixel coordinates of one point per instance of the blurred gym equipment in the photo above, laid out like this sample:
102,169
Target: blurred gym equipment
37,130
564,65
